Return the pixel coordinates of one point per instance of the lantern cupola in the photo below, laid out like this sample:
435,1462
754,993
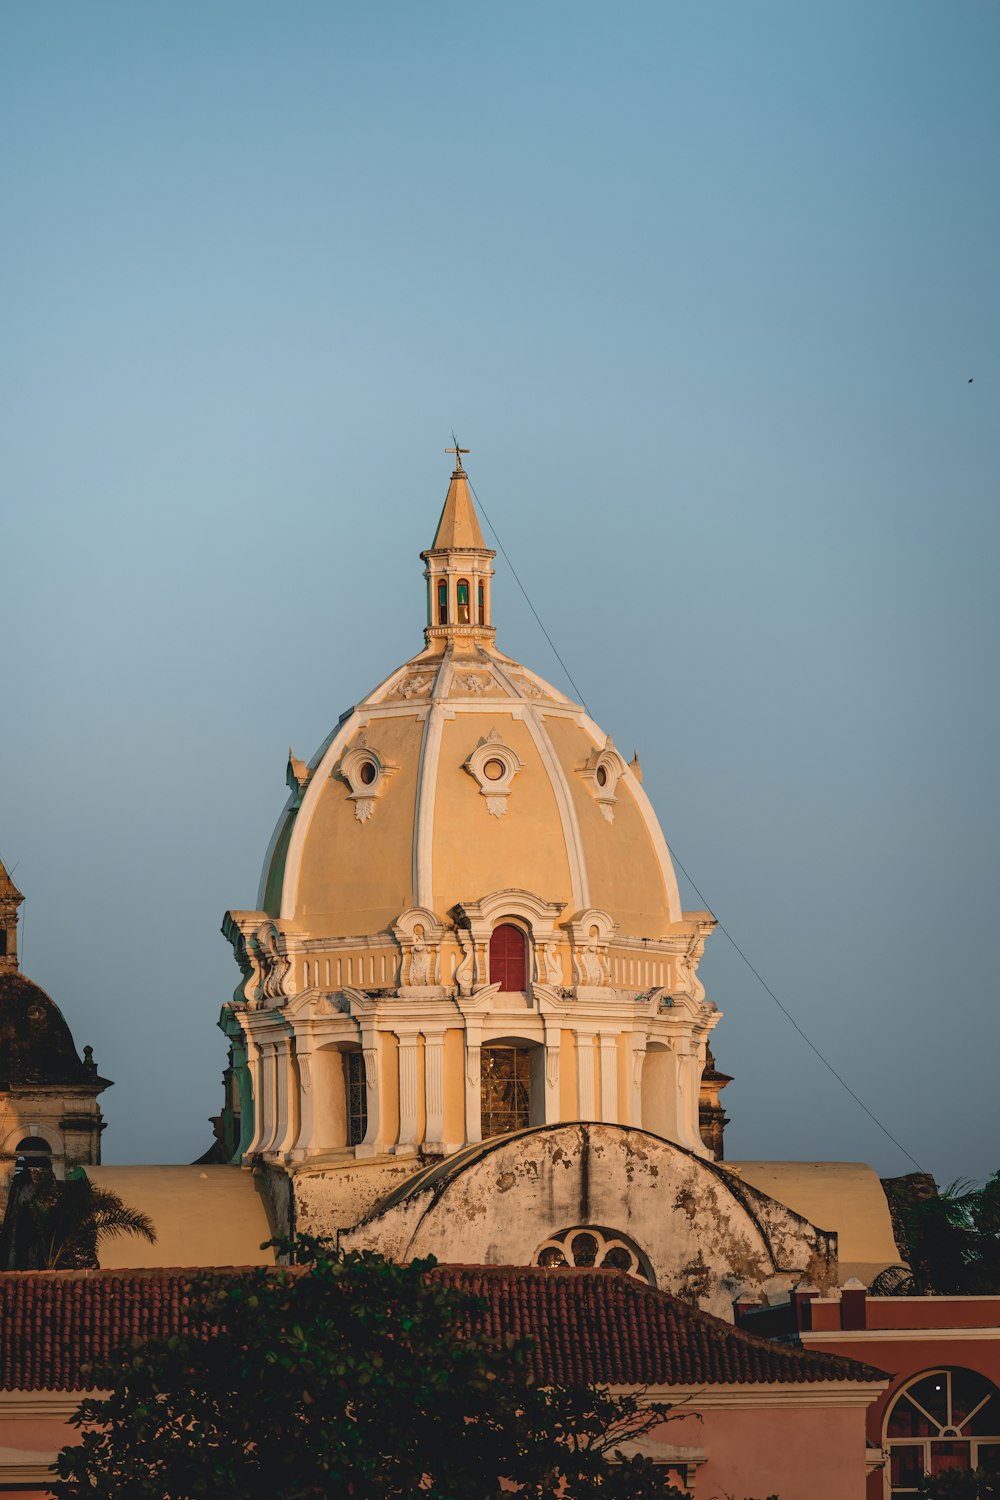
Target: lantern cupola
458,570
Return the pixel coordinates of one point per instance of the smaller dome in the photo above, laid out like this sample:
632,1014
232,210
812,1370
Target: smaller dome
36,1044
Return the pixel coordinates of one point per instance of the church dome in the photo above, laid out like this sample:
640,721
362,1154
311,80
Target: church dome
465,773
36,1044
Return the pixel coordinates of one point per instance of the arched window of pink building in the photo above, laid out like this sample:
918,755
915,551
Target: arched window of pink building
509,958
946,1419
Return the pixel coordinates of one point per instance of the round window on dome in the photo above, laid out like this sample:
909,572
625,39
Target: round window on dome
368,772
494,770
601,776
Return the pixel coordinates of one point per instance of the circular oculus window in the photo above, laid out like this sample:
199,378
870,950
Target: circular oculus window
494,770
601,776
368,772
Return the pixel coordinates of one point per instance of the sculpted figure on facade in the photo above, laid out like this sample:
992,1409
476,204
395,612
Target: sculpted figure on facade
420,959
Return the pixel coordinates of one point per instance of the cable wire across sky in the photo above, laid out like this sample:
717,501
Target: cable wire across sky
721,925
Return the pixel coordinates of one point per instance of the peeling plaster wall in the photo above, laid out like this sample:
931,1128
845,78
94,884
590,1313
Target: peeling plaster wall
707,1236
329,1198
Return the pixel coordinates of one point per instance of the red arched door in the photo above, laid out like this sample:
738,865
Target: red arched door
508,958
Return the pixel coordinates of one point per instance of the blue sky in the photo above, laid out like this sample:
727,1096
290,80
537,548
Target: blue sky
702,286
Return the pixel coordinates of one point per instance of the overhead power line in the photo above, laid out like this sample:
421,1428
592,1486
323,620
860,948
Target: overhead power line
721,925
524,591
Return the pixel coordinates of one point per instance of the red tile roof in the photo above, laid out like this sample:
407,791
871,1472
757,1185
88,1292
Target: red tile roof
589,1326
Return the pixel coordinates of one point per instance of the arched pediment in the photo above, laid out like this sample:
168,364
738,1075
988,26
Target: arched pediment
538,914
705,1235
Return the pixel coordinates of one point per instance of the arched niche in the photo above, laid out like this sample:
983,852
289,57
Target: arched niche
658,1091
338,1087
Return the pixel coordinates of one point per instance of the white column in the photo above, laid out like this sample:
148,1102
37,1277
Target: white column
473,1085
407,1095
609,1078
434,1089
266,1112
585,1074
374,1141
689,1068
304,1136
552,1079
288,1096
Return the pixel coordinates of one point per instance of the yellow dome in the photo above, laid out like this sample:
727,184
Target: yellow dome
462,775
483,777
468,876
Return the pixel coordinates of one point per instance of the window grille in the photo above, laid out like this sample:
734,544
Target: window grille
356,1088
505,1090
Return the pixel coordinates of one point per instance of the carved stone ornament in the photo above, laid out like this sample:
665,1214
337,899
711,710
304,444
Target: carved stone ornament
475,683
553,963
602,771
419,933
265,969
297,776
366,772
275,966
494,765
465,973
590,932
414,687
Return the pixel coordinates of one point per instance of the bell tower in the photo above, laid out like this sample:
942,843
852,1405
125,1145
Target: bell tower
459,571
10,900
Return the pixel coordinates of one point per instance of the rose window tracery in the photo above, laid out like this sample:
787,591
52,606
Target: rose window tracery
587,1248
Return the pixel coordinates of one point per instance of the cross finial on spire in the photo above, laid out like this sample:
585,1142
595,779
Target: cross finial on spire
457,451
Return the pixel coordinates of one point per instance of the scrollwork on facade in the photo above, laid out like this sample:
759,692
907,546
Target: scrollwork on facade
264,966
553,963
465,972
414,687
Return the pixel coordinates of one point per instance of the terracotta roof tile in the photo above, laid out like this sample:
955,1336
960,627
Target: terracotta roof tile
589,1326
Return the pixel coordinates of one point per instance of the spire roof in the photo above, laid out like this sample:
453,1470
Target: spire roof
7,886
458,527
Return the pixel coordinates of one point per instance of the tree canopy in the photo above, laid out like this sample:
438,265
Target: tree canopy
953,1239
347,1375
58,1226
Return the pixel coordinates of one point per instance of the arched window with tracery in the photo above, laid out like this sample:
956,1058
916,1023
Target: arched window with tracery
947,1419
587,1247
462,601
505,1089
508,953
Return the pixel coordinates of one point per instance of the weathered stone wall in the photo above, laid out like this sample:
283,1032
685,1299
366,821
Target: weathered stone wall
705,1235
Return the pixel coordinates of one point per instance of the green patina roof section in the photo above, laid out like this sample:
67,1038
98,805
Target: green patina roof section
276,872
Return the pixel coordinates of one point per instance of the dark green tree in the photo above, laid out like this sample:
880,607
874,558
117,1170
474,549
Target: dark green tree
954,1244
347,1376
961,1484
58,1226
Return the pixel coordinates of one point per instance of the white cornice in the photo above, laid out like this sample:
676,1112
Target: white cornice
899,1335
829,1393
15,1405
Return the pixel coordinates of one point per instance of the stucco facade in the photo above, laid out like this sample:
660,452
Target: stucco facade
469,930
